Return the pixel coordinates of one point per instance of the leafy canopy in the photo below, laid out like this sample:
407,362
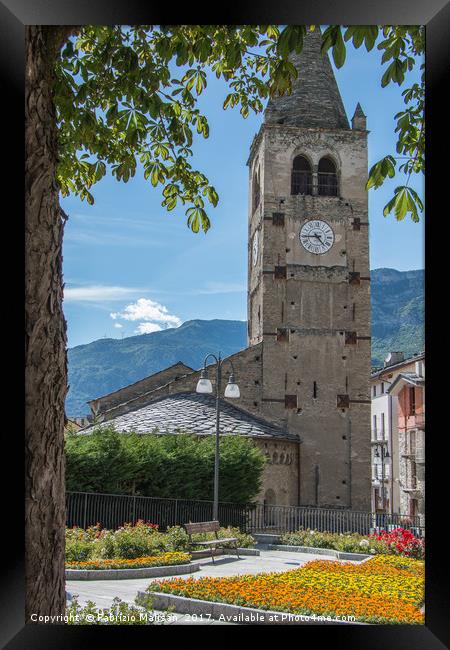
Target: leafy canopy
125,95
400,45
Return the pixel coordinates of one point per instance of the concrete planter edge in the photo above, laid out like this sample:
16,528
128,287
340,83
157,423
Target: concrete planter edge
339,555
232,613
129,574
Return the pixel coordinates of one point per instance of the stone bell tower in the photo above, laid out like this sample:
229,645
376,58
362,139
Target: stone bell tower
309,280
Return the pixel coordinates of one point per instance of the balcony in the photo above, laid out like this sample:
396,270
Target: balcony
414,421
420,420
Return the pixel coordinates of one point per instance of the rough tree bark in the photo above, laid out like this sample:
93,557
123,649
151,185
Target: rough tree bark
45,336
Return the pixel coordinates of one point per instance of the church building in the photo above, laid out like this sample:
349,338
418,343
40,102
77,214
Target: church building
304,377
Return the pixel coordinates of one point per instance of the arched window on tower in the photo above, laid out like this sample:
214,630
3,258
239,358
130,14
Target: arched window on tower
256,190
301,177
327,184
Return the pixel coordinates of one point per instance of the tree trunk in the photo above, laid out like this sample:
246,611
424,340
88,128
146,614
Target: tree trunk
45,337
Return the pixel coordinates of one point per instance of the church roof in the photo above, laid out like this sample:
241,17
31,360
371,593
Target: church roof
193,413
315,101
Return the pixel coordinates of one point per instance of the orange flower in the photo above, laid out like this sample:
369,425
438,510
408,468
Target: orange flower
384,589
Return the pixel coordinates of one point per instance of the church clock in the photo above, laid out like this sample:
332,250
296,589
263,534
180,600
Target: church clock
316,236
255,248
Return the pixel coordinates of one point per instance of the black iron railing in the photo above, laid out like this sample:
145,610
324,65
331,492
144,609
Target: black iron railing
113,510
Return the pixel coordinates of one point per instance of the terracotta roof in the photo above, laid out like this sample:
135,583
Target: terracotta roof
193,413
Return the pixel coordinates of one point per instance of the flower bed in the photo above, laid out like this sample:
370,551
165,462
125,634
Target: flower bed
382,590
402,542
165,559
398,542
131,542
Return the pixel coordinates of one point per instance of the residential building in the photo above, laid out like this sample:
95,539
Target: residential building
397,435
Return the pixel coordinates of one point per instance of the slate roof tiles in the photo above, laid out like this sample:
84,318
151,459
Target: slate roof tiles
193,413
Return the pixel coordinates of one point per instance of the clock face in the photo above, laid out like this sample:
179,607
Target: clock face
316,236
255,247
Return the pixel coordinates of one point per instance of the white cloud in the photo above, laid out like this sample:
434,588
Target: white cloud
118,325
98,292
147,328
147,310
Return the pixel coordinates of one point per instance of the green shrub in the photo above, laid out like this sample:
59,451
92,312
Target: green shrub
162,466
105,548
130,542
120,613
78,550
345,542
176,539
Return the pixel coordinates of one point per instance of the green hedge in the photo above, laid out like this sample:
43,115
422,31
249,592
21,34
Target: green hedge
166,466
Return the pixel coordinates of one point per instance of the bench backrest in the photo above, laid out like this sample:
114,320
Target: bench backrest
202,527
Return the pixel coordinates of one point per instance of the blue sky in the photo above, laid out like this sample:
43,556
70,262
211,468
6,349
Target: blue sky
130,267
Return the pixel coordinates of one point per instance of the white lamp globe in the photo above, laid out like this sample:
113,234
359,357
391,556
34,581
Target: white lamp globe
204,385
232,390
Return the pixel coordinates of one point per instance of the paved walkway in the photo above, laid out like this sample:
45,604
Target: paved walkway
102,592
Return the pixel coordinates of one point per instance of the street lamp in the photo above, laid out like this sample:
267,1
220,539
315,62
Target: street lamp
382,456
204,386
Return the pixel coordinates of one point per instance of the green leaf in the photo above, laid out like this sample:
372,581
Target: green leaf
291,39
379,171
405,201
339,51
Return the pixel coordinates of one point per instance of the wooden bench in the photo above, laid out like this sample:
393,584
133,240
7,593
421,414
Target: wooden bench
209,527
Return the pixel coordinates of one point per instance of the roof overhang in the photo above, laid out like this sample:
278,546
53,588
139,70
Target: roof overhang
404,380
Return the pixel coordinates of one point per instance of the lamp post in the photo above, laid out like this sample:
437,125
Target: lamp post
382,456
231,391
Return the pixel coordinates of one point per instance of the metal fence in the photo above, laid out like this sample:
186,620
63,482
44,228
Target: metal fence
281,519
113,510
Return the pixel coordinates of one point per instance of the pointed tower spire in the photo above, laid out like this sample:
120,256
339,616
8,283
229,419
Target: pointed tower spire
359,119
315,101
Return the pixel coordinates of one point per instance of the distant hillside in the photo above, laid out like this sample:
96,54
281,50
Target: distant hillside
107,364
398,312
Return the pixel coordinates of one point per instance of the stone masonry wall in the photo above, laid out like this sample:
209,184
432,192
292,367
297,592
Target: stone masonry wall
316,316
143,386
248,374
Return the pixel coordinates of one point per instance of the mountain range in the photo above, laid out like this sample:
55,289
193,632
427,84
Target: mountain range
105,365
